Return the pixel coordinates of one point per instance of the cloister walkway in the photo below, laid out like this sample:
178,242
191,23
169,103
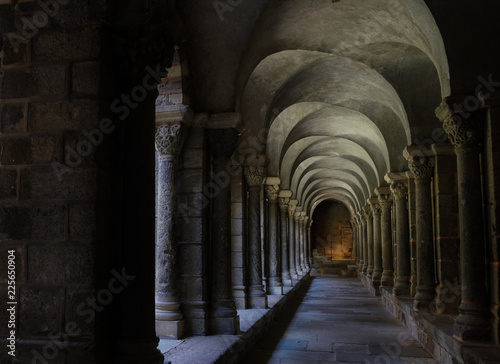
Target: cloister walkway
336,320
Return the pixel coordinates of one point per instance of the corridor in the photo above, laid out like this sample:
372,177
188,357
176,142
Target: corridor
336,320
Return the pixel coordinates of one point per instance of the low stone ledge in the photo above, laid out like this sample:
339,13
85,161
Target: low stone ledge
227,349
435,333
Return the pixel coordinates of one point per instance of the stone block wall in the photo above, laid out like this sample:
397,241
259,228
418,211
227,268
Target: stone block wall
50,142
446,235
491,178
194,230
238,239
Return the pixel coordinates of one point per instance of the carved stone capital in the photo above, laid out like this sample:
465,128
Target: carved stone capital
367,212
296,216
292,205
399,189
272,187
375,206
272,192
384,197
420,161
254,175
169,139
284,199
464,129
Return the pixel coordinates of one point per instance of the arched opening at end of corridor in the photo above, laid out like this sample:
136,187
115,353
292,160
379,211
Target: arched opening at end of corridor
331,231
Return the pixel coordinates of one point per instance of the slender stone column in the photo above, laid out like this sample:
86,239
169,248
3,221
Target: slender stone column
296,218
284,200
293,241
302,242
369,239
306,244
364,237
465,131
360,241
399,188
169,139
377,243
223,316
309,244
275,284
384,198
254,175
446,222
422,168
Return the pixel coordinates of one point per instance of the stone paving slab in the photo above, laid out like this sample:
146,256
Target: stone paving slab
337,320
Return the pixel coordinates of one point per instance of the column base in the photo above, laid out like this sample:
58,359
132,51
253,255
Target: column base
272,290
387,279
495,310
413,285
473,325
257,301
300,274
224,325
133,351
287,282
424,299
447,299
172,329
402,287
377,276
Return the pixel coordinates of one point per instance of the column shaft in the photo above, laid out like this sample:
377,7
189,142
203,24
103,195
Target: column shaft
291,233
465,131
297,244
384,197
169,140
399,188
275,284
422,168
223,315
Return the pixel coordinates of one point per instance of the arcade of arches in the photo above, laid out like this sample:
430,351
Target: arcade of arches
285,133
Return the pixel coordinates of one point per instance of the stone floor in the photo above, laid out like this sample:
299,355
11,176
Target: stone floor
336,320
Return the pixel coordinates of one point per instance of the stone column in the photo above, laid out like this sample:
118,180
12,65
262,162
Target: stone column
309,244
465,131
302,242
293,241
223,316
446,222
354,242
306,244
169,139
412,220
399,189
369,239
422,168
359,262
377,243
385,200
254,175
284,200
296,218
133,152
364,237
275,284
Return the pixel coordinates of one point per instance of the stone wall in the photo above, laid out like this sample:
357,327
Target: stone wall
50,131
331,231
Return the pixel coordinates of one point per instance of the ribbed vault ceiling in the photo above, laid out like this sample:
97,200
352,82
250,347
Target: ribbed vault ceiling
341,88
